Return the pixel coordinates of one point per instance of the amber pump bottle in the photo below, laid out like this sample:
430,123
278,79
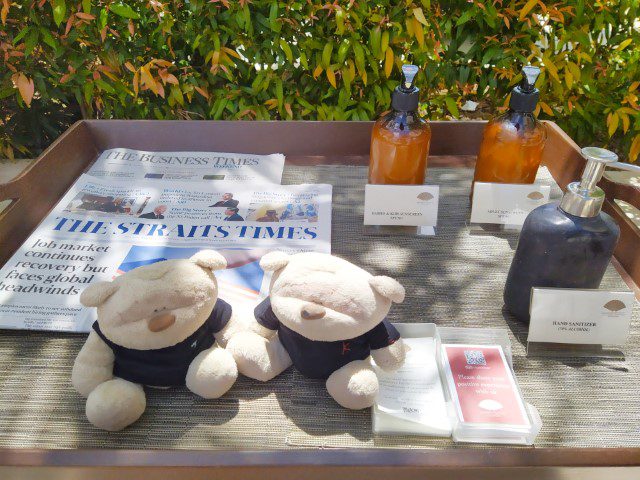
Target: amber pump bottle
400,139
512,144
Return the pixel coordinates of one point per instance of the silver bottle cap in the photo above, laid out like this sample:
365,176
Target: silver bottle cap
584,198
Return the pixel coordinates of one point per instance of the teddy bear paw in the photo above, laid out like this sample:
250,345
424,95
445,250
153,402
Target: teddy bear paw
258,357
354,386
115,404
212,373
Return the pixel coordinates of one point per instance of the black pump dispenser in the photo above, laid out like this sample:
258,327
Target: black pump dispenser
524,97
405,97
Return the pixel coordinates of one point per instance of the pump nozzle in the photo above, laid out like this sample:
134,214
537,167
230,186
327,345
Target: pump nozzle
584,198
597,159
405,96
409,73
524,96
530,75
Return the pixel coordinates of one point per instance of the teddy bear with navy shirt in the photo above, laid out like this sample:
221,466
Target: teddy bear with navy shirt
326,317
159,325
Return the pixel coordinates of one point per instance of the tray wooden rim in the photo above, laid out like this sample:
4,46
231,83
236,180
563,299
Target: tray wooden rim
496,456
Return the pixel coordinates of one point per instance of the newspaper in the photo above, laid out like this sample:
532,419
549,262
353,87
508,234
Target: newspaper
192,166
102,228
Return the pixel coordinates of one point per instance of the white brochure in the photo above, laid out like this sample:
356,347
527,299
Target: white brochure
408,205
102,228
411,399
506,203
125,163
564,315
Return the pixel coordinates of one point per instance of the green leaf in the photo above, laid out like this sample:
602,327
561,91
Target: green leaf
88,92
105,86
31,41
359,52
452,106
47,38
59,11
465,17
340,21
21,35
124,10
342,51
196,42
86,6
176,95
279,92
303,61
490,54
102,19
375,38
326,54
273,17
286,49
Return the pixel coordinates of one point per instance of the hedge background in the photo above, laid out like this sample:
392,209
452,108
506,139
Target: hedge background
313,59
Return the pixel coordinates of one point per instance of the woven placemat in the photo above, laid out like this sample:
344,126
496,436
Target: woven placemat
454,278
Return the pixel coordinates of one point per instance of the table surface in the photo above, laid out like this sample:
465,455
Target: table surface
453,279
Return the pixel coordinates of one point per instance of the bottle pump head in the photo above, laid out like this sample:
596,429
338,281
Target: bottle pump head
524,97
406,96
584,198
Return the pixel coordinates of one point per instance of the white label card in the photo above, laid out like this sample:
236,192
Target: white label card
566,315
409,205
506,203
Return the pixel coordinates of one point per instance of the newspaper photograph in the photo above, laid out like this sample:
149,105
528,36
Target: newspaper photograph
103,228
123,163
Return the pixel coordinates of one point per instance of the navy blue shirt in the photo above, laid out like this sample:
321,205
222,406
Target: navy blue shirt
167,367
318,359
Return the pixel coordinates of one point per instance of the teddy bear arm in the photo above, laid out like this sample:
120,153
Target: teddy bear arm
93,365
392,357
212,373
261,330
231,328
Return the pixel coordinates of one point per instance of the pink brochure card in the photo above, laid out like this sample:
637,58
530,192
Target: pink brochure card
483,386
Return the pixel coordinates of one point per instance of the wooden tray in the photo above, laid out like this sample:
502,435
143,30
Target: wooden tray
454,144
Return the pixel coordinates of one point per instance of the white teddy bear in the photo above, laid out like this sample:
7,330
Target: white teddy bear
156,327
329,316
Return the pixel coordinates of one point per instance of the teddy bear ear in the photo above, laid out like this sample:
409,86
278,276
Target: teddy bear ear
97,293
210,259
273,261
388,287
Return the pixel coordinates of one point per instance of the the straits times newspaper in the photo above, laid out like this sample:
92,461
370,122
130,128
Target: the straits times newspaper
123,163
102,228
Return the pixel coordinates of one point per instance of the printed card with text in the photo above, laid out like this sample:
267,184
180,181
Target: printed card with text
406,205
506,204
567,315
482,385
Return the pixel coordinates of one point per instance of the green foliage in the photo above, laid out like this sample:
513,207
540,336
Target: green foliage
312,59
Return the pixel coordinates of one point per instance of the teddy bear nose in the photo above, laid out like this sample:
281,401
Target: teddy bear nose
161,322
311,311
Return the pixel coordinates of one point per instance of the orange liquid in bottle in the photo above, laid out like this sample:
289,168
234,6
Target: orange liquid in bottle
510,153
399,156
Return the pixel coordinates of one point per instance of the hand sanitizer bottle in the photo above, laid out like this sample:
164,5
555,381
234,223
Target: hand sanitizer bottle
566,245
